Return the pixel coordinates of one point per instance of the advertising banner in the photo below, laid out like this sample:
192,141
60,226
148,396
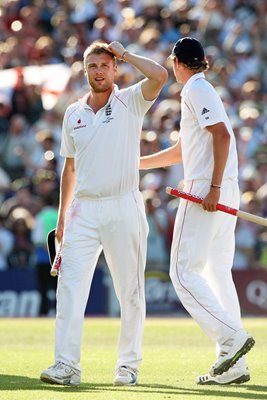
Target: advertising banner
20,297
251,287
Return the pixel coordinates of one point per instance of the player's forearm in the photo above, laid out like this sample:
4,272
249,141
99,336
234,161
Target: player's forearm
67,184
66,196
156,74
149,68
221,143
164,158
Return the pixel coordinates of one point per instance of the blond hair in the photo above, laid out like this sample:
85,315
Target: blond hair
199,67
97,48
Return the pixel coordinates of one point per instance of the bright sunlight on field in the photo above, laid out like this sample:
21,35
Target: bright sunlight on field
175,351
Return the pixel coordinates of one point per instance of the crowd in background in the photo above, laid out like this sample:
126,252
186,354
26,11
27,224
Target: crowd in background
45,32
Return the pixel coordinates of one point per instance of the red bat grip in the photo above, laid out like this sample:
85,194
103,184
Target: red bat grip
199,200
226,209
221,207
56,264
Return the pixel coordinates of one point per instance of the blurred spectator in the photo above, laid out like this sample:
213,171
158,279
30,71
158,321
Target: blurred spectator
22,253
157,218
45,221
75,88
263,252
44,52
5,183
49,120
34,98
6,244
15,145
104,29
131,26
51,32
21,196
43,153
151,11
261,194
150,43
245,247
25,99
44,182
262,237
5,107
61,28
260,157
169,33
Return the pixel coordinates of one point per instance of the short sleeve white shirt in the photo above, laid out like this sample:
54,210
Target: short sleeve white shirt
201,106
106,144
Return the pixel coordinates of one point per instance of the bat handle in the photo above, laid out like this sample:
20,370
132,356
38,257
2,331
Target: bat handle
56,264
221,207
55,269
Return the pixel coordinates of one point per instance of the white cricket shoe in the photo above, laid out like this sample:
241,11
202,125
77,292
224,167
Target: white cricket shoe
125,376
233,375
61,374
231,351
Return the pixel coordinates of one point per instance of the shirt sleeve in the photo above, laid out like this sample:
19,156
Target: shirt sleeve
139,104
206,105
67,148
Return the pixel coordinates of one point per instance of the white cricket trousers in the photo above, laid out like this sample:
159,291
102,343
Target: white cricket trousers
118,226
201,261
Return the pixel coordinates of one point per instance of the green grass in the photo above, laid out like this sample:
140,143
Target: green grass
175,351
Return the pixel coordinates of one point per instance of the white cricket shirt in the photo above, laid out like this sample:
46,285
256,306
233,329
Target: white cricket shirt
106,144
201,106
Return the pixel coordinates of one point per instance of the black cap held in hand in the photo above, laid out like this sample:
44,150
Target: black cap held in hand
189,51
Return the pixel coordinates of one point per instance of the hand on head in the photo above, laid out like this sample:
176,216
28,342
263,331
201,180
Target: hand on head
117,49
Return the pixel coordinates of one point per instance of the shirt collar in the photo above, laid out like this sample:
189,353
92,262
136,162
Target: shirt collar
199,75
83,100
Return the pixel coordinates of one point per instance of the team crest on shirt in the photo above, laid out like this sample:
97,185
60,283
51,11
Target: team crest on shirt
108,112
107,120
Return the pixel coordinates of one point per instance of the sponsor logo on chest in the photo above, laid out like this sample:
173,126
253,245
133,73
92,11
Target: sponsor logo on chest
79,125
108,111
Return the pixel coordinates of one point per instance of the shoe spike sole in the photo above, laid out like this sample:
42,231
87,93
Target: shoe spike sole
224,367
237,381
52,382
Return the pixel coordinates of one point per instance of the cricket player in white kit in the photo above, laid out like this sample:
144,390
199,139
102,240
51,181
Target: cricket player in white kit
101,208
203,241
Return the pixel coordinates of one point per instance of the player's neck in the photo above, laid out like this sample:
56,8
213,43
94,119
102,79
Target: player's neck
97,100
187,75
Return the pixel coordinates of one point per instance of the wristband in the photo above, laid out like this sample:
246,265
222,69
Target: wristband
215,186
123,54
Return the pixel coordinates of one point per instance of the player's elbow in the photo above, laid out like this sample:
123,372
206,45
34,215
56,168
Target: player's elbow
152,86
220,133
162,75
225,136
